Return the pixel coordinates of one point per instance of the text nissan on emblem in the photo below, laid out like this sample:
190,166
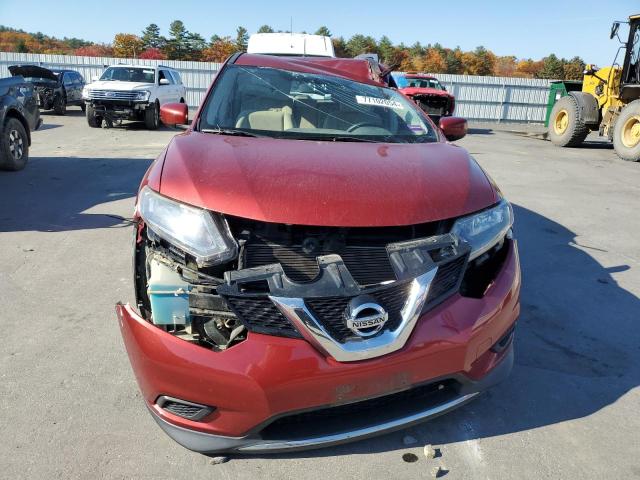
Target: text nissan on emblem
364,316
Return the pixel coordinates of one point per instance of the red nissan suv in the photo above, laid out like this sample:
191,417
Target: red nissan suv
315,263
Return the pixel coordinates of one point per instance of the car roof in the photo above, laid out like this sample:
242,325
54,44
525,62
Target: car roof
359,70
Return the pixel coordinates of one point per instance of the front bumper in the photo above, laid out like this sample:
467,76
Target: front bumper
265,377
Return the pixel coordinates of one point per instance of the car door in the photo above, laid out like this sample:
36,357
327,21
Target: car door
78,84
165,92
179,91
67,82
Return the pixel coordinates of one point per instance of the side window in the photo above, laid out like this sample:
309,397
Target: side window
78,78
176,77
66,78
165,75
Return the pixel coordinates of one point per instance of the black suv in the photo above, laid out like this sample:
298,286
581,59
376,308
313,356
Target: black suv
57,89
19,115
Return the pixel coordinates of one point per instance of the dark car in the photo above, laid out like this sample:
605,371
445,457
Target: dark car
19,115
57,89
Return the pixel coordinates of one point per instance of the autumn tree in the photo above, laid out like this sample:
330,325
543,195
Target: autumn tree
506,66
432,61
153,54
574,69
479,62
95,51
219,50
127,45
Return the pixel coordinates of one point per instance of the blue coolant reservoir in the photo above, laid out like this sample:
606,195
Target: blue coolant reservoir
169,295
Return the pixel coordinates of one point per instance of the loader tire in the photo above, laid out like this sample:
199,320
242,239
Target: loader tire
566,125
626,133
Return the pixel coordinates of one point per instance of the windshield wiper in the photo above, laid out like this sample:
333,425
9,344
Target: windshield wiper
230,131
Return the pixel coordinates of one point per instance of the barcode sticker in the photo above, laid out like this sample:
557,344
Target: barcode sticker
378,102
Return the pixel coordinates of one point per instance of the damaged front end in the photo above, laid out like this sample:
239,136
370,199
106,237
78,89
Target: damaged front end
295,281
434,105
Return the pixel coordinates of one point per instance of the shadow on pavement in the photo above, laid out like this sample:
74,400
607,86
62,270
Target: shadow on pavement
52,193
480,131
577,348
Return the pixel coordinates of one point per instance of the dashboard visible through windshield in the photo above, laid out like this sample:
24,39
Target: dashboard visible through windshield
262,101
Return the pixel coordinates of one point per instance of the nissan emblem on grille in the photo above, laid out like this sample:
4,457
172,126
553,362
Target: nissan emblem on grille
364,316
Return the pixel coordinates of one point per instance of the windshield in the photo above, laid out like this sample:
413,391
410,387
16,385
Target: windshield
424,83
129,74
283,104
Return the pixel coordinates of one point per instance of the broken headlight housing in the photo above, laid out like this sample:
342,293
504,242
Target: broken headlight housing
484,229
200,233
142,95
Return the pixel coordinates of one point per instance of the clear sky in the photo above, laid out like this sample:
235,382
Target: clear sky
525,29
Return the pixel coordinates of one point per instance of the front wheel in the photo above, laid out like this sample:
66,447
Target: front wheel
60,105
93,120
566,126
14,145
626,133
152,117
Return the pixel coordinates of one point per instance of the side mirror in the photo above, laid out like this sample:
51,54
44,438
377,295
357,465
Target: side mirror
172,114
164,81
614,29
454,128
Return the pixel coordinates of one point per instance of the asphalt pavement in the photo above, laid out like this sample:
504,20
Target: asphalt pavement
70,406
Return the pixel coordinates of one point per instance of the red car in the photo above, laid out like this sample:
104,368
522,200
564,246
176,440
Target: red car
315,263
430,95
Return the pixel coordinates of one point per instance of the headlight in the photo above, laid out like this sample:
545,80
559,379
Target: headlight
483,230
86,93
198,232
143,95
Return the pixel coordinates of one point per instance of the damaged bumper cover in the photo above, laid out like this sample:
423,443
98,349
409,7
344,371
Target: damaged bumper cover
454,350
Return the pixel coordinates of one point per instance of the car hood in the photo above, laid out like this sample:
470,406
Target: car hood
424,91
32,71
324,183
118,85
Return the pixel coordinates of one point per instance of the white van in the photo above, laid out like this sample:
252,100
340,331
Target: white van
291,44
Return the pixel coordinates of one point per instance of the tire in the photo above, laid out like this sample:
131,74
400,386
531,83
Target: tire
626,133
60,105
566,126
152,117
93,120
14,145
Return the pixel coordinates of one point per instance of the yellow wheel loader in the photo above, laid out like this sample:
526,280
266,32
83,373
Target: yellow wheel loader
608,103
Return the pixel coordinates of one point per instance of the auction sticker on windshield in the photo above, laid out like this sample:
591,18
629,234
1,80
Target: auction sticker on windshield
379,102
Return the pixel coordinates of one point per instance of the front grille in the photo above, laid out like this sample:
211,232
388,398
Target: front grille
330,310
260,315
112,95
447,280
362,414
367,265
